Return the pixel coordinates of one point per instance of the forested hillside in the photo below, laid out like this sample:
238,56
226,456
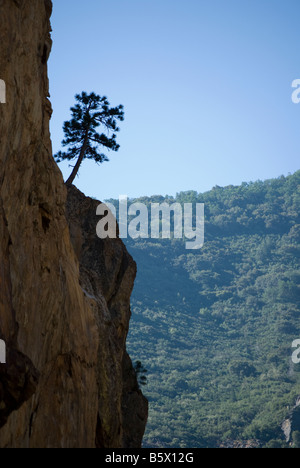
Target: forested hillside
214,327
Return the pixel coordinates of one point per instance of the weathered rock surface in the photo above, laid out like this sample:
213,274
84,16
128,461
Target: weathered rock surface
107,274
292,422
65,327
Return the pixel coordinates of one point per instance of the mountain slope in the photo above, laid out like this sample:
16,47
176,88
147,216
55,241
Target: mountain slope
214,327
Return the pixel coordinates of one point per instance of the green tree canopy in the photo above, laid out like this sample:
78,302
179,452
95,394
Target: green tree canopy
82,137
140,373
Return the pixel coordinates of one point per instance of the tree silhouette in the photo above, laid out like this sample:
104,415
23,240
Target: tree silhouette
81,132
140,373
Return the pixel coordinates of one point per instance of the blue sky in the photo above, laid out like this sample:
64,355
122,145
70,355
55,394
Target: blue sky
206,86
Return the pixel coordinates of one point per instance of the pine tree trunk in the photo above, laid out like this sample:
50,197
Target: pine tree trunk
79,161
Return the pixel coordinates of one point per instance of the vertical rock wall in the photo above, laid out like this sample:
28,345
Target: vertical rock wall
63,382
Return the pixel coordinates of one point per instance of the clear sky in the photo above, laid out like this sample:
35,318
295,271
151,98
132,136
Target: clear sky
206,86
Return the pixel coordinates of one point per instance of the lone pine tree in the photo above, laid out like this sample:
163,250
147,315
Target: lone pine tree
81,132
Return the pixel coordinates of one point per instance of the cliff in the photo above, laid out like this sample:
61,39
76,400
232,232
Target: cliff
64,294
292,423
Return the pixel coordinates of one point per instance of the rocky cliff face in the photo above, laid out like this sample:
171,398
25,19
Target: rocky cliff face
292,422
107,274
64,299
